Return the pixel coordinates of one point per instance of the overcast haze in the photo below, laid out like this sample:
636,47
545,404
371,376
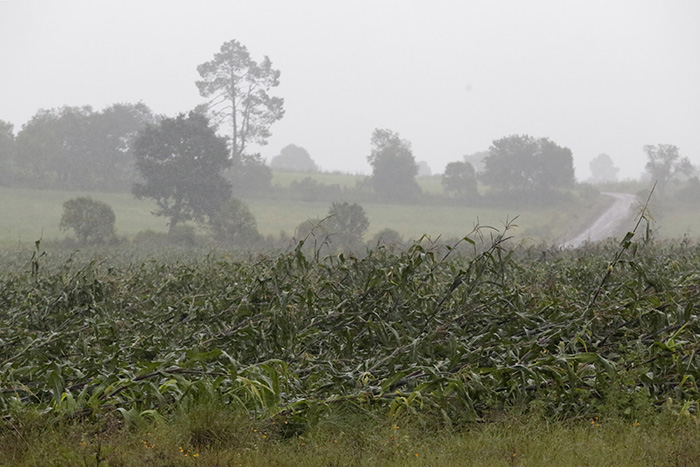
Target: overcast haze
595,76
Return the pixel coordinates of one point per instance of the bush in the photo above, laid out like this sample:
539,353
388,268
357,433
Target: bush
184,235
92,221
251,175
310,189
349,219
387,237
234,223
347,223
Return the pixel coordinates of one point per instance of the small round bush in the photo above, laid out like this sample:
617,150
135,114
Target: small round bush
92,221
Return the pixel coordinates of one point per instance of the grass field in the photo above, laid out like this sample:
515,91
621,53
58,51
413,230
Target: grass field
27,215
538,224
531,441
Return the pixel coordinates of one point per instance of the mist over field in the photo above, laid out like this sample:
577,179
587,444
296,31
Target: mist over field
334,233
450,77
483,111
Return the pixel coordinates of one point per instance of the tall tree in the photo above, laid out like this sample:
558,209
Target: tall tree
116,128
238,91
603,169
180,160
78,148
665,163
522,163
476,160
394,168
55,148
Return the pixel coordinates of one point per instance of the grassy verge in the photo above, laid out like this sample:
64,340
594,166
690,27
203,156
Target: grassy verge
215,437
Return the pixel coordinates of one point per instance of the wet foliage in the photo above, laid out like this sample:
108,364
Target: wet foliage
461,332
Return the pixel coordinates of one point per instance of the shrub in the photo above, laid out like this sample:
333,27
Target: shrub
92,221
387,237
234,223
310,189
347,224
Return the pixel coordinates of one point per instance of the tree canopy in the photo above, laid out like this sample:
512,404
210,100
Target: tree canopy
79,148
522,163
348,221
234,223
459,180
603,169
238,91
92,221
664,163
293,157
181,160
394,168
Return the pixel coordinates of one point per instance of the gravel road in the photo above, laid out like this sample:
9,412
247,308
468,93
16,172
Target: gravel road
609,223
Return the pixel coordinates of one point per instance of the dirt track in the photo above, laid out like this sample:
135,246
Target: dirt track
609,223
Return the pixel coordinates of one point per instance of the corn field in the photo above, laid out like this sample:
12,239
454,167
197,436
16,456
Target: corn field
459,332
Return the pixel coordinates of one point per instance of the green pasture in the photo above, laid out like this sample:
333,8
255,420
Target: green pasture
413,221
27,215
678,223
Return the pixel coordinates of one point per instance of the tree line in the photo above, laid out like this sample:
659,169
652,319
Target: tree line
195,164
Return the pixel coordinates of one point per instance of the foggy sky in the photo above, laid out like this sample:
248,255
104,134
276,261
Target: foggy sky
595,76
